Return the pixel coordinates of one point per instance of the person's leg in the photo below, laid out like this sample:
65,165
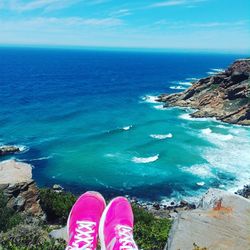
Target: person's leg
116,226
83,221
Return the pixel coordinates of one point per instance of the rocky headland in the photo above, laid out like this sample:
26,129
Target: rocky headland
225,95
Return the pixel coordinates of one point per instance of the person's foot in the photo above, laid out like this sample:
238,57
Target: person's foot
116,226
83,221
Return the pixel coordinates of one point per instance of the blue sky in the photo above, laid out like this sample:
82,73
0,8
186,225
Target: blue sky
171,24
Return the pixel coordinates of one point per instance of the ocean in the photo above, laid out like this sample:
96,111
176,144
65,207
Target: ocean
88,120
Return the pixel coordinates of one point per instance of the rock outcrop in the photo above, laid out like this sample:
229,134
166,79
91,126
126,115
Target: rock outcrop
17,185
6,150
221,222
225,96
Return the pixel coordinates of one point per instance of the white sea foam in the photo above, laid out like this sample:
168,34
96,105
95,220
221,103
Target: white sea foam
214,137
150,99
215,71
230,155
38,159
190,118
145,159
202,183
185,83
218,70
211,73
161,137
177,87
159,107
221,126
203,170
22,148
127,127
192,79
206,131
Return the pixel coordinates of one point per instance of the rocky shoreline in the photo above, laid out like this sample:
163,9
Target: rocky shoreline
225,95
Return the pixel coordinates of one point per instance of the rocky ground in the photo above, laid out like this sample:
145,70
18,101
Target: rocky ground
221,222
225,96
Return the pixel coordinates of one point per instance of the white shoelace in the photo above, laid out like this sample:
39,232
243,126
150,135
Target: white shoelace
126,238
84,234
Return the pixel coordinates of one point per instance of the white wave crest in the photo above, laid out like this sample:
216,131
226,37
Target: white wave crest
218,70
206,131
159,107
185,83
177,87
203,171
202,183
230,155
190,118
127,127
192,79
214,137
150,99
162,137
145,159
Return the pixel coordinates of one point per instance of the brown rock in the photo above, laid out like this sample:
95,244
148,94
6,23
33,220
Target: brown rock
17,184
6,150
225,96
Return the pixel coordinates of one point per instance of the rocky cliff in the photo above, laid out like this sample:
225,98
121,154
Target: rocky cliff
225,96
17,185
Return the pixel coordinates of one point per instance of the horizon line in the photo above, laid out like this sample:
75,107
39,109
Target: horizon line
134,49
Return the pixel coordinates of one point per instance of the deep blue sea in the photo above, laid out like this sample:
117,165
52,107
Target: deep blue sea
88,120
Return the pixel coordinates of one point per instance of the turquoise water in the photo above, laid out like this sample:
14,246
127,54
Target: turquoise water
88,121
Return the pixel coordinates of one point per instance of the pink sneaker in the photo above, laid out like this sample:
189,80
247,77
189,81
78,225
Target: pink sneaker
116,226
83,221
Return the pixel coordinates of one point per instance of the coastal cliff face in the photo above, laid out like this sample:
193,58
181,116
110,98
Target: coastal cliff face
17,185
225,96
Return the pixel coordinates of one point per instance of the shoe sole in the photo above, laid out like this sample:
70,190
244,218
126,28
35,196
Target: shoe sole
101,226
91,192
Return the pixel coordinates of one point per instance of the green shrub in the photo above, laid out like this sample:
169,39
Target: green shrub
8,217
56,205
150,233
29,237
50,245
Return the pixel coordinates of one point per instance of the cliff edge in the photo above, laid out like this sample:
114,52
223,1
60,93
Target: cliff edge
225,96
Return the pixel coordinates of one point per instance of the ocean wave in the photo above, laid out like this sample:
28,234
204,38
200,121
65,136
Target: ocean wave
206,131
159,107
161,137
22,148
37,159
221,126
177,87
216,136
145,159
192,79
218,70
201,183
190,118
150,99
215,71
229,155
185,83
127,127
203,170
